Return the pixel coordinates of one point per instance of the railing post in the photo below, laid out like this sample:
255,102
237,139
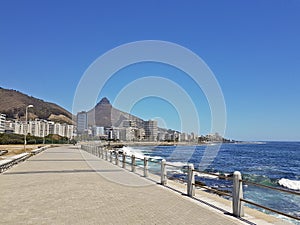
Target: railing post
124,160
191,181
106,156
133,163
110,156
163,172
146,166
99,151
117,158
237,194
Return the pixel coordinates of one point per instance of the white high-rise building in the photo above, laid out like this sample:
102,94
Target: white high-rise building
42,128
82,122
58,129
98,131
151,130
69,131
2,122
140,133
183,137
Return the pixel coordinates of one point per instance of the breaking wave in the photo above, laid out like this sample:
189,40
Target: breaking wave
290,184
133,151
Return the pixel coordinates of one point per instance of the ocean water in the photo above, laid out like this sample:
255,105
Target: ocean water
276,164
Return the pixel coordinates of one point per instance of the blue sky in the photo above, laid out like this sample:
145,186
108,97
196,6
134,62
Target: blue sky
252,47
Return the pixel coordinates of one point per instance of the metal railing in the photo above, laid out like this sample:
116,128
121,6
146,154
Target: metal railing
238,182
271,188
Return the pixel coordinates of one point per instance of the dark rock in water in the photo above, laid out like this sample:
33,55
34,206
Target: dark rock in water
108,147
199,183
121,152
185,169
225,176
118,146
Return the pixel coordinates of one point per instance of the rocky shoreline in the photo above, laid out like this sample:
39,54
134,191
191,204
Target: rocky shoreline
121,144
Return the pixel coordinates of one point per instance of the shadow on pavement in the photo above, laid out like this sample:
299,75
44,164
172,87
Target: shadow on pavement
62,171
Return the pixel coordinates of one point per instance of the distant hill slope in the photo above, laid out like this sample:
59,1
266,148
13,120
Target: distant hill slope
13,104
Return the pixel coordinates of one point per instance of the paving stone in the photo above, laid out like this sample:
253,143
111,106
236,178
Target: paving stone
66,185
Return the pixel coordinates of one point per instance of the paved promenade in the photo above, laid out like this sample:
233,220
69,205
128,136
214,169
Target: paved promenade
65,185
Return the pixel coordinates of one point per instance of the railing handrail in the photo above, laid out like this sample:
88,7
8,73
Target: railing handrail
213,174
270,187
178,167
270,209
237,183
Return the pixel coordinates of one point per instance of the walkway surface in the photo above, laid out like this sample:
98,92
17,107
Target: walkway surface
66,185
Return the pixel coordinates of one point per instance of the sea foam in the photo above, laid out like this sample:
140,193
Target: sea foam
177,164
133,151
208,176
290,184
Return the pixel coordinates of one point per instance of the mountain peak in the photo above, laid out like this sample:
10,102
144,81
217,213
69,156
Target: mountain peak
104,101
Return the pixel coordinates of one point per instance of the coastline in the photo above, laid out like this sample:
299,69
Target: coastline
153,143
213,201
262,149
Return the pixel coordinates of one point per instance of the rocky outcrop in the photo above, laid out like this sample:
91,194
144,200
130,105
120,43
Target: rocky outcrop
105,115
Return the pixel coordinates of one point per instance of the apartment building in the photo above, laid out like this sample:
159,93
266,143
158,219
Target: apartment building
2,122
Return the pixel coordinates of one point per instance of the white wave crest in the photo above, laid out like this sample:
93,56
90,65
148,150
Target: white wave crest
178,164
156,157
290,184
204,175
177,167
133,151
